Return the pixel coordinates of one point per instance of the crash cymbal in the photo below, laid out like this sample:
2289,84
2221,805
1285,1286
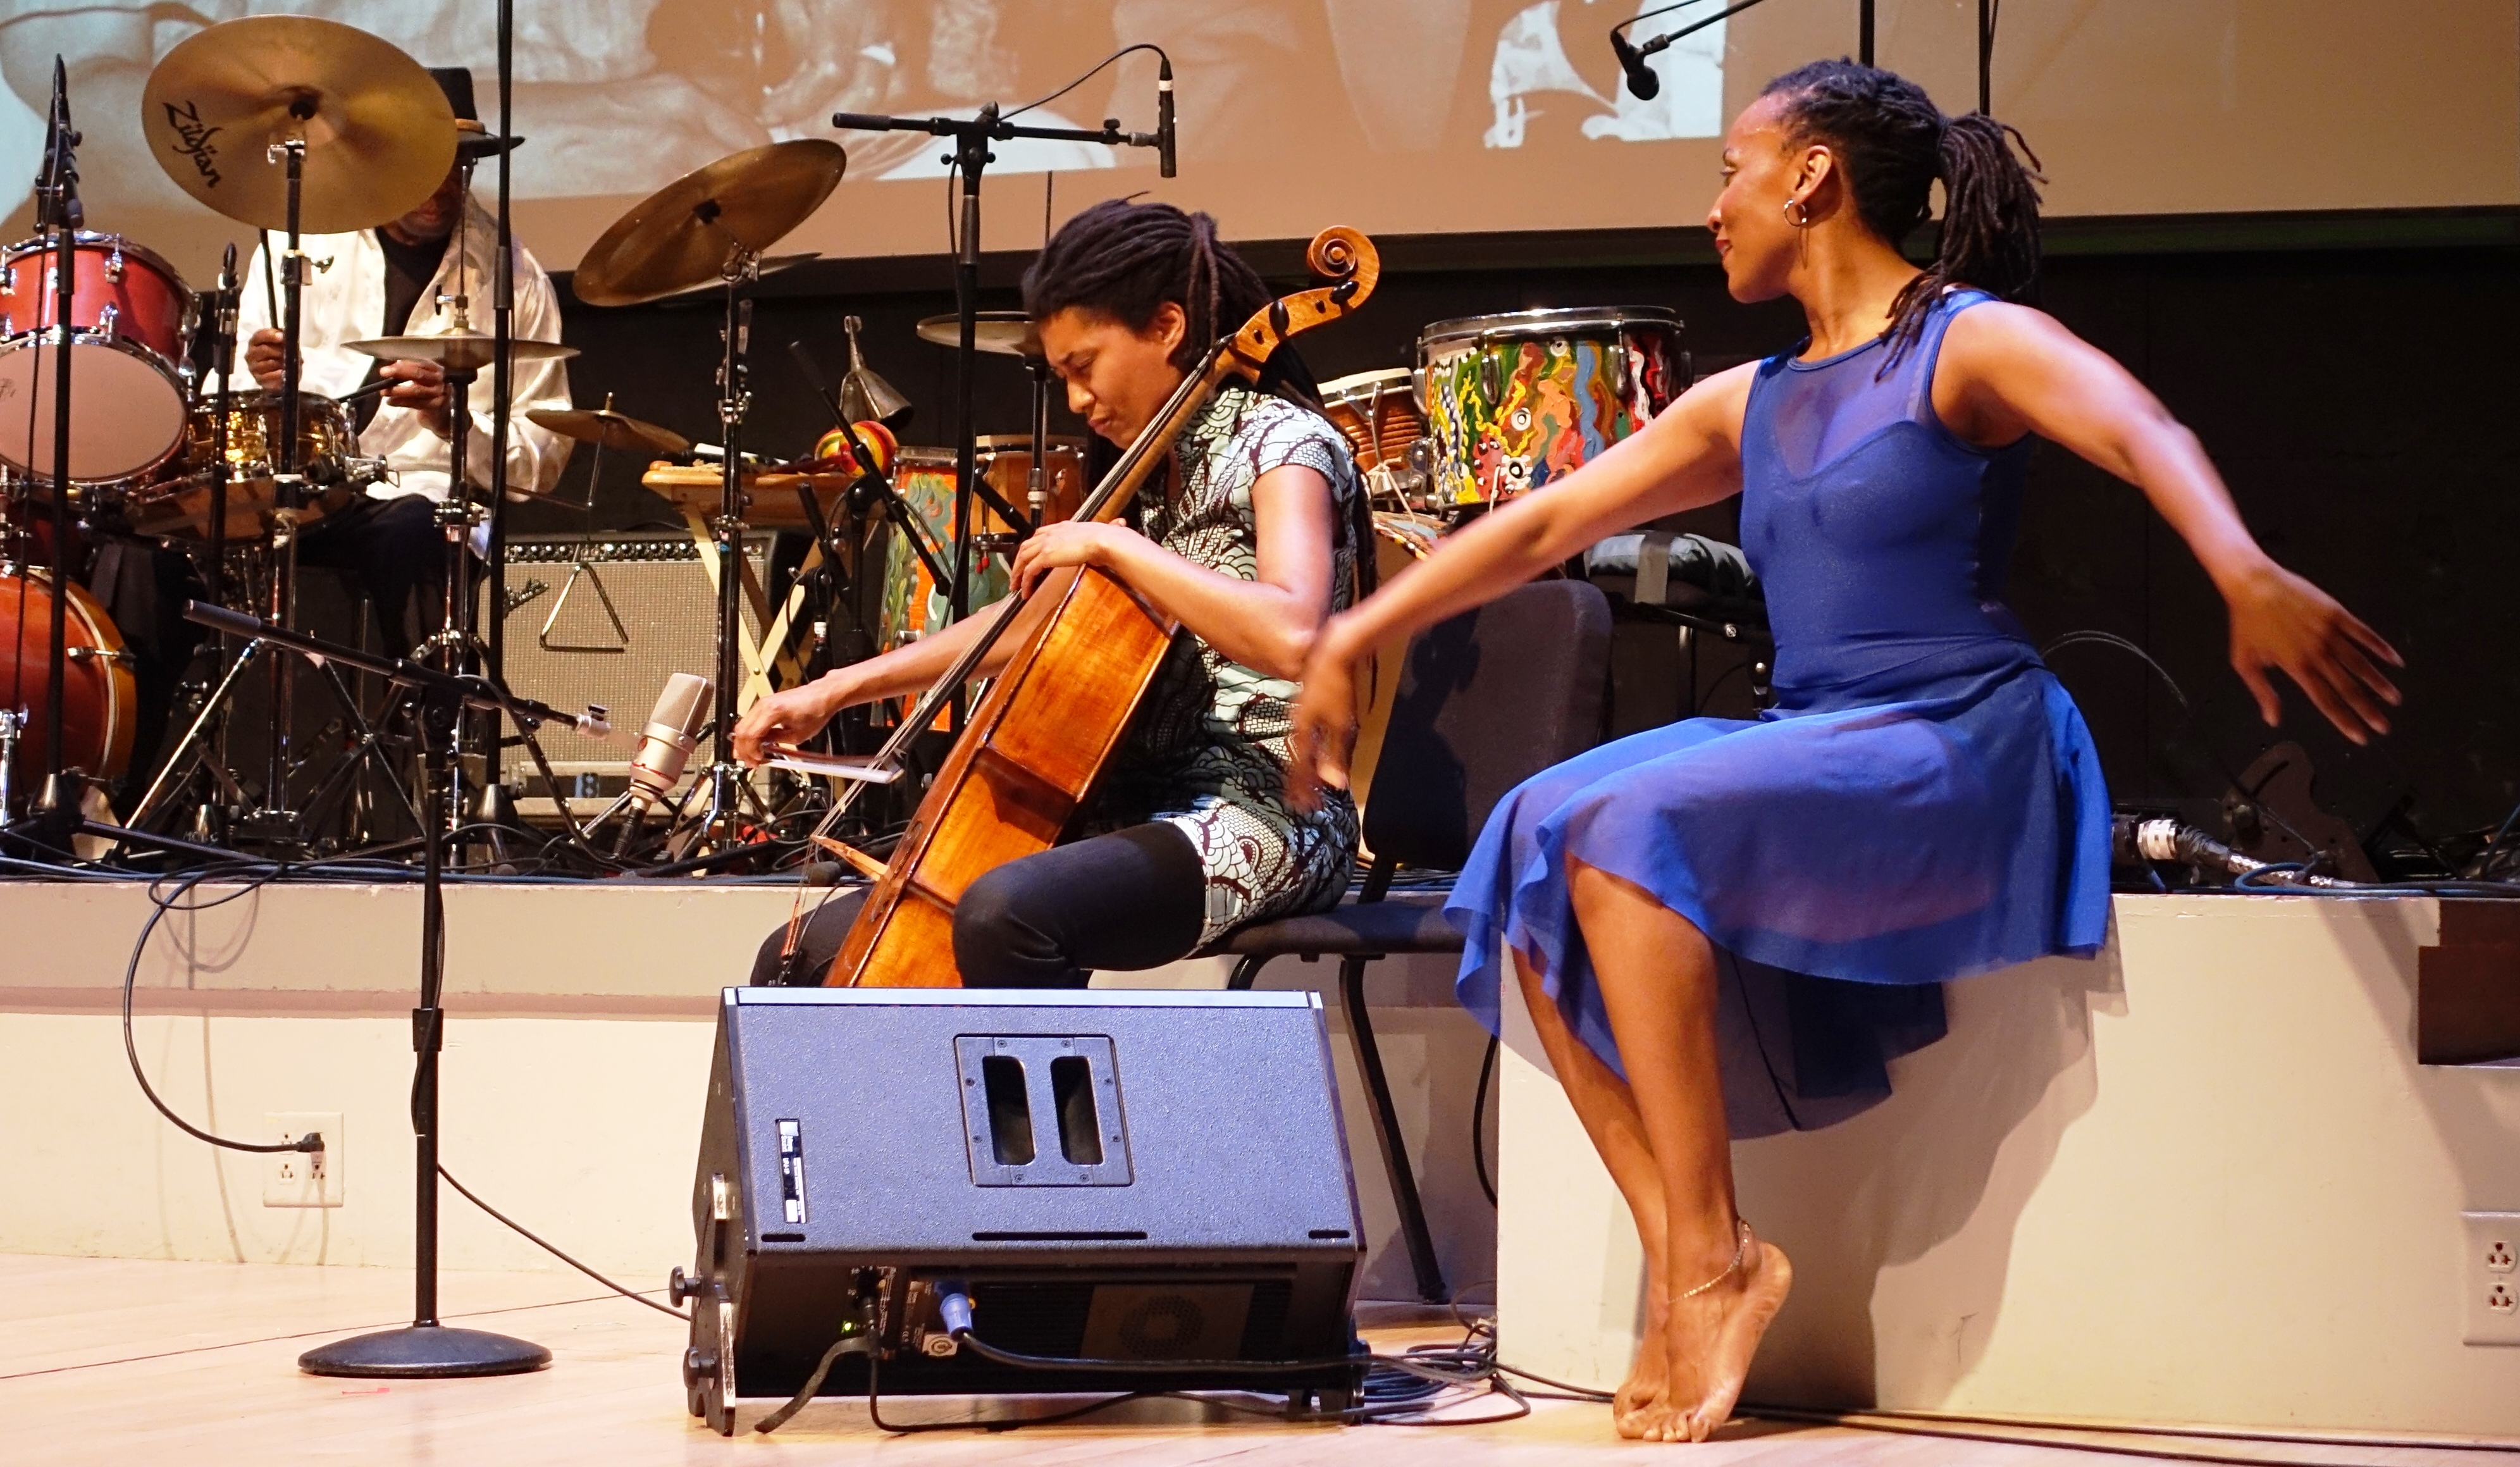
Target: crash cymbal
611,430
380,136
682,235
468,350
1007,333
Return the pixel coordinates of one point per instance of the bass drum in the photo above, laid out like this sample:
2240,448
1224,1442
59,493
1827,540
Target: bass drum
99,697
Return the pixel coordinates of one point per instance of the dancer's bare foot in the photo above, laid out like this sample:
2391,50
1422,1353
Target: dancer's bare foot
1711,1338
1650,1374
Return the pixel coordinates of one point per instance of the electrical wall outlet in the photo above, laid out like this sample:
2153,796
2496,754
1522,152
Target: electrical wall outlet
302,1178
2490,1274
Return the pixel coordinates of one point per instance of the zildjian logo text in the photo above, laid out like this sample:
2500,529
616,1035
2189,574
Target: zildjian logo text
195,138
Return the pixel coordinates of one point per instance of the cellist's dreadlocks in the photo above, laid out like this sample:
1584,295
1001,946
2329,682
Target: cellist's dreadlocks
1894,143
1125,260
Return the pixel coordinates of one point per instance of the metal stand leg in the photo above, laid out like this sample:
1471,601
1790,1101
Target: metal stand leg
1386,1129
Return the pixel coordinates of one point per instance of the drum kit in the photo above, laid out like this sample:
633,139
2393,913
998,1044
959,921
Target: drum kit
298,125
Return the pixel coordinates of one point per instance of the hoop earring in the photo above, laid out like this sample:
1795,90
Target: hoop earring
1793,206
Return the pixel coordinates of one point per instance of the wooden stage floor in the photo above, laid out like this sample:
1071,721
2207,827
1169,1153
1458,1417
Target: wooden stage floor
120,1361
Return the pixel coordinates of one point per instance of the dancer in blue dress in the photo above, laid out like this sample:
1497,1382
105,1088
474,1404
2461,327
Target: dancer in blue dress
1924,802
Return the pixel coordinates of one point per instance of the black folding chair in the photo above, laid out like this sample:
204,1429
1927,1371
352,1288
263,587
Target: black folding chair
1486,699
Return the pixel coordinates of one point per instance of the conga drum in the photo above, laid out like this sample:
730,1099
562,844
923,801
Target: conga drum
1513,401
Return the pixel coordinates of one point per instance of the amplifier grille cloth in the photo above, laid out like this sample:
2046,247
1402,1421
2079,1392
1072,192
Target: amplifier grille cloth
667,624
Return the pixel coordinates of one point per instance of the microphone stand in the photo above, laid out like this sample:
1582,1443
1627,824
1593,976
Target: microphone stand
57,206
497,810
1631,59
971,138
425,1348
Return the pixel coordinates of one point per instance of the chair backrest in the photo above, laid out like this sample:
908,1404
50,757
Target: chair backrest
1486,699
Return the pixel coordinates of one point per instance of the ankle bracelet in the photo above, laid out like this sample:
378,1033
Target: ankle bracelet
1741,1251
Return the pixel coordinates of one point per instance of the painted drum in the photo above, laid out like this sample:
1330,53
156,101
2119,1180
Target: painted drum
1513,401
130,318
914,604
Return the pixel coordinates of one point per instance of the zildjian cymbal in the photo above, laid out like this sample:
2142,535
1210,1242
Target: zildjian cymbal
378,133
457,351
610,430
685,234
1007,333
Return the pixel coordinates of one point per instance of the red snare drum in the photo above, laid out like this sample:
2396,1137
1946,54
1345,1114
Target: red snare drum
130,314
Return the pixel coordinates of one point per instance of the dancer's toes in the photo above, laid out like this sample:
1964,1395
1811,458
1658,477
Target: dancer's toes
1648,1377
1747,1307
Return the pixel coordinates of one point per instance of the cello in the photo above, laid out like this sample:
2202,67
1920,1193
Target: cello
1032,751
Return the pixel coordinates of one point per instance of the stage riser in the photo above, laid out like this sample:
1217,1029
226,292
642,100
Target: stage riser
576,1072
2199,1180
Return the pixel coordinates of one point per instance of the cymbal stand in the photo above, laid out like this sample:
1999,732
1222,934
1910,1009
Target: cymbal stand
275,820
725,779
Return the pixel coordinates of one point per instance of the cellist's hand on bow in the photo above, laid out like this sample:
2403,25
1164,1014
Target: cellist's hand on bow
790,715
1071,542
1325,719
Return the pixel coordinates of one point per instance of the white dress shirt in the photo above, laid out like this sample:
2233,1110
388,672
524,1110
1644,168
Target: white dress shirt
344,301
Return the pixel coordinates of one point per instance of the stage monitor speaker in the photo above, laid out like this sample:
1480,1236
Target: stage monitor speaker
1107,1175
608,620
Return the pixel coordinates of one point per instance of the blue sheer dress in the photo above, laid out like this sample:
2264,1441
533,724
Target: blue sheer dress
1922,803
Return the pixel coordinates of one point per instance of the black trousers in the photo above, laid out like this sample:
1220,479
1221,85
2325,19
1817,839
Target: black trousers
395,547
1134,898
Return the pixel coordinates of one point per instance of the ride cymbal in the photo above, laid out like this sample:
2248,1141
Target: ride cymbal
1007,333
458,351
380,136
683,235
610,430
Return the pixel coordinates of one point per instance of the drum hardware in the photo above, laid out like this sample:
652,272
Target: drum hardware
717,221
299,124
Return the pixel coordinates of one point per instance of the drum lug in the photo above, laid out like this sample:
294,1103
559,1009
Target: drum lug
113,263
105,318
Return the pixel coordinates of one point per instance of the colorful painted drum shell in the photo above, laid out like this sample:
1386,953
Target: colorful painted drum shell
913,603
1513,401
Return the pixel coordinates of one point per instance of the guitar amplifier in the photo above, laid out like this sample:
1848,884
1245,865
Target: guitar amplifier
1118,1180
608,620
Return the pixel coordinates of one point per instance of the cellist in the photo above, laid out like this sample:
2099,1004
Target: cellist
1247,539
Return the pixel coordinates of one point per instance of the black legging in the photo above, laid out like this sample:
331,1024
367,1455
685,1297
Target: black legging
1134,898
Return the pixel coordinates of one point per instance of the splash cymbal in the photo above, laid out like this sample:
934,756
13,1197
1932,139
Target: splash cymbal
683,235
1007,333
610,430
380,136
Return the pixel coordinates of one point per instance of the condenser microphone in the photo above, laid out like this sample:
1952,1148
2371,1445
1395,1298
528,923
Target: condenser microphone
664,747
1164,118
1644,83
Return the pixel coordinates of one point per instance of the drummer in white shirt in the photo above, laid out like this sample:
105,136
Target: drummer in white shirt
400,278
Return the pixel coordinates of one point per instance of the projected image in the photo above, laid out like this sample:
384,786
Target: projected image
618,97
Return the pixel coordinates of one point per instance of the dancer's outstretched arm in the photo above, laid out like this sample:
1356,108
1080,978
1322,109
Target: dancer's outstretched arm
2006,370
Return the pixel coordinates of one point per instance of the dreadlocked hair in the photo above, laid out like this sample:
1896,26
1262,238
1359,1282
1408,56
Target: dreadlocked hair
1125,260
1893,145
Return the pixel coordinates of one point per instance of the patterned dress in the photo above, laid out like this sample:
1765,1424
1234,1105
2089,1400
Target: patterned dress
1209,750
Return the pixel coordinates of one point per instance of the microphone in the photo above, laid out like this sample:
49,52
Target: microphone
1644,83
1164,118
664,747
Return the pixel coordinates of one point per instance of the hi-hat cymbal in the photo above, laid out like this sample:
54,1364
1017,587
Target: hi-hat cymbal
610,430
468,351
682,235
378,133
1007,333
